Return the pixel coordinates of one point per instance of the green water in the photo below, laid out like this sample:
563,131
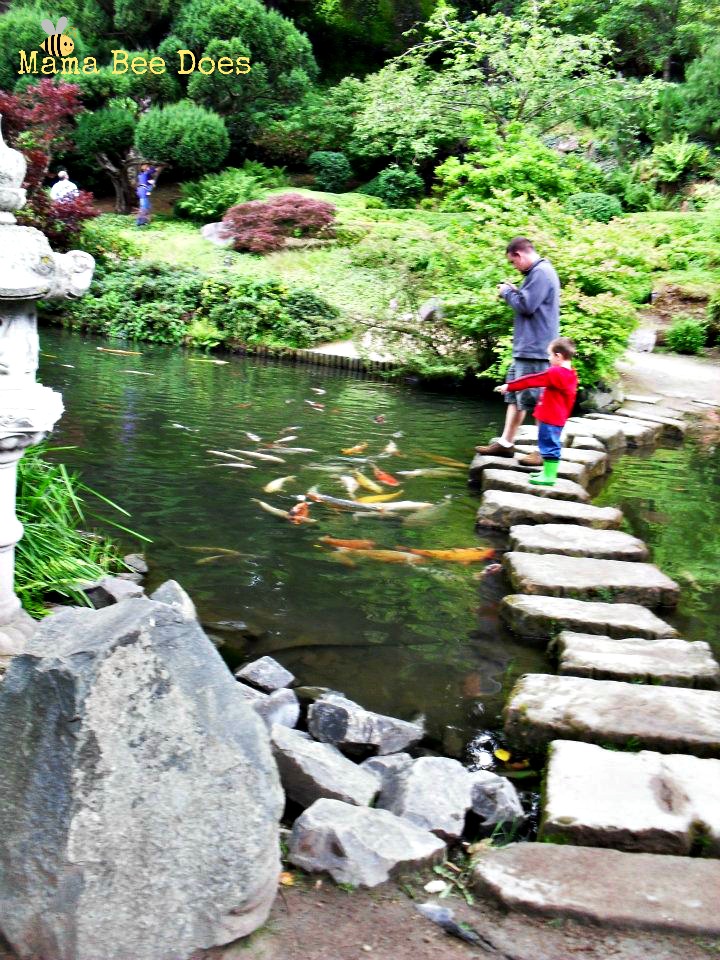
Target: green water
671,500
403,640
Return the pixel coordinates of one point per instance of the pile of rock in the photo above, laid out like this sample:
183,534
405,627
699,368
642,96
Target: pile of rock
370,809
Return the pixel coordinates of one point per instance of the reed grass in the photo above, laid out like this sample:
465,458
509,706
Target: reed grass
57,554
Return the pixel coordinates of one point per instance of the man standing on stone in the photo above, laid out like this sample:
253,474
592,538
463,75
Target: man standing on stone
536,322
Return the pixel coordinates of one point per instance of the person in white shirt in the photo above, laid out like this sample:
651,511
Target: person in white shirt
64,188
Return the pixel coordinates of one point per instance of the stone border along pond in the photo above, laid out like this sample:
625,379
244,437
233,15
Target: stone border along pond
630,808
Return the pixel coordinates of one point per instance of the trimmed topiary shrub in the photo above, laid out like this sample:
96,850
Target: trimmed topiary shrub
194,140
687,335
395,187
262,227
594,206
332,170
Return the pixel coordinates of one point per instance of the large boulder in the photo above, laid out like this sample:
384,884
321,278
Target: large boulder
139,801
360,845
335,719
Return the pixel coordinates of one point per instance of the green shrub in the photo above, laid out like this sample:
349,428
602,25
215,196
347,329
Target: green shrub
210,197
194,140
395,187
687,335
713,319
270,178
594,206
104,238
332,170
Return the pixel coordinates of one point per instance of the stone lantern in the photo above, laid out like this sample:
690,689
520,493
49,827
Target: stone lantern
29,271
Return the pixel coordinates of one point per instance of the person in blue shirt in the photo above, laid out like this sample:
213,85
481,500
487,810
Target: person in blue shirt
145,184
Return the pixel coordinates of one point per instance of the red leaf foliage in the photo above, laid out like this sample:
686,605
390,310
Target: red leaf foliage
261,226
60,220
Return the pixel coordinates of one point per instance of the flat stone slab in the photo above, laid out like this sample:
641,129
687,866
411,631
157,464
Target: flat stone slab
668,660
567,471
519,482
595,462
588,578
575,541
547,616
543,707
605,431
607,887
503,509
672,427
583,441
645,801
638,433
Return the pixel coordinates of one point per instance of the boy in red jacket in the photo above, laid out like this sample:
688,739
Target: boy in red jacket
558,398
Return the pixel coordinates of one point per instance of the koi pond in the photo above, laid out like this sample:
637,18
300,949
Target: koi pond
148,430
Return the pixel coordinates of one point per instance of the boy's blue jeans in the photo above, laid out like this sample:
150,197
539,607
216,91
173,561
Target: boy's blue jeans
549,443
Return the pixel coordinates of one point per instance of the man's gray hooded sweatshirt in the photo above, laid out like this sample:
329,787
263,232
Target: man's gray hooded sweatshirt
536,306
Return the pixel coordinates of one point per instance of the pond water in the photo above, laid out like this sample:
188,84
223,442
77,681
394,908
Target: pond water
404,640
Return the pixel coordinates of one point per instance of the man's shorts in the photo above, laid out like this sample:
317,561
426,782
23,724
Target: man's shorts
520,367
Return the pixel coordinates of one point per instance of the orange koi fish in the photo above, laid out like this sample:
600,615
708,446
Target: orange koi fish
300,513
454,554
350,544
387,478
352,451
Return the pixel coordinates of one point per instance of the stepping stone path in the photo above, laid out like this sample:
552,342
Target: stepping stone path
567,471
543,707
625,679
643,801
587,578
606,887
517,482
574,541
547,616
670,661
502,509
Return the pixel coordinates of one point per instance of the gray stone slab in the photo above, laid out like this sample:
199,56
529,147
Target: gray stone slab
606,887
543,707
647,801
589,578
568,470
502,509
582,441
672,427
606,432
641,398
667,660
638,433
547,616
594,461
517,482
575,541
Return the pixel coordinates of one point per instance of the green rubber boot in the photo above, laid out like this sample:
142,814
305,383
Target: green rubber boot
548,474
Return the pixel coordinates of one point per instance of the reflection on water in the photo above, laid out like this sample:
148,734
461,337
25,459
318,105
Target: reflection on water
405,640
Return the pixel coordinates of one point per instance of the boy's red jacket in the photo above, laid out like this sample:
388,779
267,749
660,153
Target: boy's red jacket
558,399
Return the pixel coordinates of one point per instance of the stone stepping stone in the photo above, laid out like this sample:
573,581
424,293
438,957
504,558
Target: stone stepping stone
645,801
642,398
606,432
606,887
517,482
568,471
543,707
588,578
672,428
503,509
594,461
582,441
666,660
575,541
638,433
547,616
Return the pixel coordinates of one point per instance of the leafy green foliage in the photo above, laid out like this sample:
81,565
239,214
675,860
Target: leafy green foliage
20,29
210,197
104,240
110,130
395,187
671,165
601,207
687,335
163,304
702,94
332,170
194,140
57,553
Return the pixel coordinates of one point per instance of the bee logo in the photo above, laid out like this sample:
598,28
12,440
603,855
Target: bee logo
57,44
